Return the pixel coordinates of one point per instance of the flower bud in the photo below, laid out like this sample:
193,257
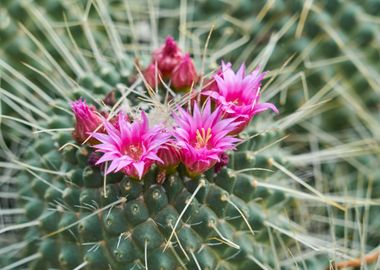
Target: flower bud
184,75
167,57
222,163
170,156
87,121
152,76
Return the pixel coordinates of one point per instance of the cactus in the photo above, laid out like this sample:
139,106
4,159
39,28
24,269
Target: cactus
244,216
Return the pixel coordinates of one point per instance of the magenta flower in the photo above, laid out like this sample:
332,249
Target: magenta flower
87,121
167,56
184,75
238,94
132,148
152,75
211,84
203,137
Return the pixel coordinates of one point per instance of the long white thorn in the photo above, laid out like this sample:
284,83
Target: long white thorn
225,240
12,211
55,39
15,246
33,168
195,260
146,254
81,266
20,226
242,215
252,258
179,243
306,185
45,181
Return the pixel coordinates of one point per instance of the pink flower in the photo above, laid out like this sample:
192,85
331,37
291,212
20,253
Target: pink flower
87,121
167,56
239,94
211,84
132,148
152,75
184,75
203,137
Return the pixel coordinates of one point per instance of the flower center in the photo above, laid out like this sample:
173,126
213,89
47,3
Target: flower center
203,137
134,151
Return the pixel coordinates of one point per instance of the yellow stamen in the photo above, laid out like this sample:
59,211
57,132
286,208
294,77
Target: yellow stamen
203,137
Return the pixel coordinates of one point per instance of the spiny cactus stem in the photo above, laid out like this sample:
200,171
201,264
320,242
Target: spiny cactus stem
306,185
201,184
23,261
122,200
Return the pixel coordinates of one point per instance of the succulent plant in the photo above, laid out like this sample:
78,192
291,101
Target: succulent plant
274,202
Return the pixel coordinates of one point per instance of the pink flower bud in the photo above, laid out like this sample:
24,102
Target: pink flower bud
170,156
87,121
167,57
152,75
222,163
184,75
